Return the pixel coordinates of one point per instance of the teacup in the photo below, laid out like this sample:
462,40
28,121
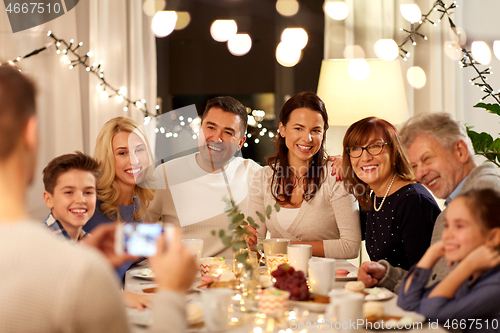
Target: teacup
346,308
274,261
195,246
272,302
321,275
216,303
299,255
209,264
274,246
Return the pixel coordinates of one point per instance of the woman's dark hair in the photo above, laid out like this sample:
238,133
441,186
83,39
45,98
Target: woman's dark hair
358,134
315,175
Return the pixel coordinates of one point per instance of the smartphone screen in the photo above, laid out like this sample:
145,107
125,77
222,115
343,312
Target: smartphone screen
139,239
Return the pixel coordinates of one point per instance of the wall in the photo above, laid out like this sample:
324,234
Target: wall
481,23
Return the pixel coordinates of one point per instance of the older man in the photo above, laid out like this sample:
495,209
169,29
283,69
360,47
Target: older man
442,157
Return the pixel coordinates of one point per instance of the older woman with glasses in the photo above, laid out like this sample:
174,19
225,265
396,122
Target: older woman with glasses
397,214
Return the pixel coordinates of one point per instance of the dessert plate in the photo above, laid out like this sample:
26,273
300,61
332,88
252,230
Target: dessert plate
143,273
352,276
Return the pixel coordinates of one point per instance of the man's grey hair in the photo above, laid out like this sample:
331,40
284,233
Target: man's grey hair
439,126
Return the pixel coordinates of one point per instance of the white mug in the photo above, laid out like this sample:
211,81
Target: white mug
347,310
299,255
216,303
321,275
330,312
195,246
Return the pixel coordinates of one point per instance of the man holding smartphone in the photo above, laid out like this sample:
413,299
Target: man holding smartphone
57,286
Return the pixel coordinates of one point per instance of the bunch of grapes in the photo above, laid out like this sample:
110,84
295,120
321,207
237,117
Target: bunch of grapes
287,278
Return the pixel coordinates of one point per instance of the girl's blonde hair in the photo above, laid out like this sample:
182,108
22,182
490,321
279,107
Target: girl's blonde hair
108,189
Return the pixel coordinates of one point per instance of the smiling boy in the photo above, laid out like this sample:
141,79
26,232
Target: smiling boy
70,192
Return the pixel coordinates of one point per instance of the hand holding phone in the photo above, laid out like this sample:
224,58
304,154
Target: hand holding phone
139,239
174,266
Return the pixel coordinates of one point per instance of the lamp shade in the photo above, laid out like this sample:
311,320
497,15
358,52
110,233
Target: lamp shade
347,100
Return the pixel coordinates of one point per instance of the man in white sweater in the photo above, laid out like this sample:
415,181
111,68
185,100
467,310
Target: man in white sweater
47,285
189,189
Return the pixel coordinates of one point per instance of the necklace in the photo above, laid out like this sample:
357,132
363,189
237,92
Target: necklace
385,196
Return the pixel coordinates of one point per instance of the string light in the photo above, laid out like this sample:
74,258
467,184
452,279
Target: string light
104,87
467,59
107,91
439,6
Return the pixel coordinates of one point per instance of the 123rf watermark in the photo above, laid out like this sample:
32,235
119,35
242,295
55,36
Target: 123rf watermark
28,14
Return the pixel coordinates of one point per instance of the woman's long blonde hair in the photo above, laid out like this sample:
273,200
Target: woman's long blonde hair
108,189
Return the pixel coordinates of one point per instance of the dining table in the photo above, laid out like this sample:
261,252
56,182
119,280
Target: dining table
298,318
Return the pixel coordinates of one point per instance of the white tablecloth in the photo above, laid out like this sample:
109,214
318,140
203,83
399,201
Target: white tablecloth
246,322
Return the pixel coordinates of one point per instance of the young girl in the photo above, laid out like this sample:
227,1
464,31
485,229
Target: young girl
471,238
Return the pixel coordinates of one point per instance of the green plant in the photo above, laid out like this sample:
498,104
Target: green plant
483,143
237,229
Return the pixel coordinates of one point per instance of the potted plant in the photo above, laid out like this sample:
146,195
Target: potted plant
484,144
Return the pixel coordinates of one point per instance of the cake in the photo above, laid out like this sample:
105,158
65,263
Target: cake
341,272
373,311
355,286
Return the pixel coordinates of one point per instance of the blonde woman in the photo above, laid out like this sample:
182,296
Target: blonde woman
122,150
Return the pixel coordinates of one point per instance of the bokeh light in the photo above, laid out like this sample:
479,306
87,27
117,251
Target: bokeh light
411,12
223,30
460,36
239,44
416,77
453,50
287,7
353,52
359,69
164,23
337,10
481,52
287,54
183,20
295,36
496,49
151,7
386,49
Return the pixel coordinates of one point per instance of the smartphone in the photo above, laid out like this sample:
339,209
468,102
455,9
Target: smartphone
139,239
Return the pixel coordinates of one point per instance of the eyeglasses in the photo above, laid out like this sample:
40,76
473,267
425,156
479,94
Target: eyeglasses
373,149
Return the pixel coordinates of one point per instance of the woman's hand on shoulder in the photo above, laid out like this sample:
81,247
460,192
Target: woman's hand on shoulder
336,167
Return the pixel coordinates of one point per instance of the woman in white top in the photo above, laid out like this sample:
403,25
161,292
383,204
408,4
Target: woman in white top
315,208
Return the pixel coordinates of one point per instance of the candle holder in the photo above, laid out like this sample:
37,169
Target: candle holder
248,280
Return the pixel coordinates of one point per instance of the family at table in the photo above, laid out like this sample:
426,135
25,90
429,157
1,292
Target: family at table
443,264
